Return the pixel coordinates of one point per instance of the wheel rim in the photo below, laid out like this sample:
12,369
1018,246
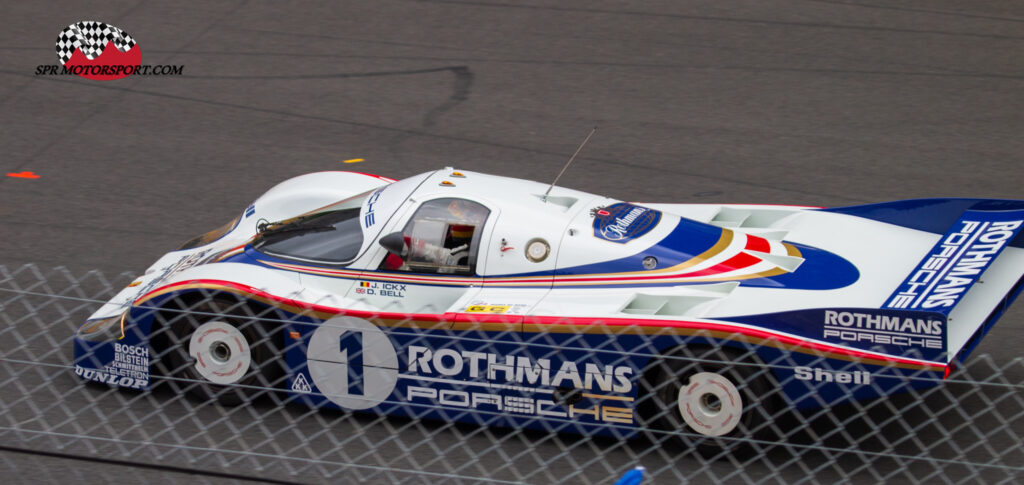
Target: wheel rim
710,404
221,352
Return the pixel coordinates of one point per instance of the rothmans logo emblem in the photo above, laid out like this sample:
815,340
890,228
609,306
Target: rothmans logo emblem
624,222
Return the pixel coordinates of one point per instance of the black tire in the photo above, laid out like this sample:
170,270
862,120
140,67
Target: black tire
663,404
243,384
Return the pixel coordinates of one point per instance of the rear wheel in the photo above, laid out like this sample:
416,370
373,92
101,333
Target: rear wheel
711,396
218,351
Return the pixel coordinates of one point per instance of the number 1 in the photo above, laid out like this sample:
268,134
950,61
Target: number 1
352,348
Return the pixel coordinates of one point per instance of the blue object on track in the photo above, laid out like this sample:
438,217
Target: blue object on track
632,477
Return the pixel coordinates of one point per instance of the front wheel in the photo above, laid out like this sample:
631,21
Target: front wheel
712,396
219,352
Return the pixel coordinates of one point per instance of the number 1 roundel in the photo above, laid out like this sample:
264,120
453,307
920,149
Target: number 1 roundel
352,362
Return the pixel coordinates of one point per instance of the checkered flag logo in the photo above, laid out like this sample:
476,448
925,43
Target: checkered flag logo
91,37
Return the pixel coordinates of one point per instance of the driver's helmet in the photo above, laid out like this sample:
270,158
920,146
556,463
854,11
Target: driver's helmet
461,232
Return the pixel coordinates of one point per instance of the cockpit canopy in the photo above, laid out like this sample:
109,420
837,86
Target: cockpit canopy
443,236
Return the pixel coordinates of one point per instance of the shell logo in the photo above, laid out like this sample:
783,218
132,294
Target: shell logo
98,51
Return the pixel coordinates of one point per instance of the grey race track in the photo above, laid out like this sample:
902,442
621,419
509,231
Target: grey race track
811,102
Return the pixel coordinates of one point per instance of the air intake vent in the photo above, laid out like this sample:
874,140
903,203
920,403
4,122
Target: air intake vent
685,301
563,203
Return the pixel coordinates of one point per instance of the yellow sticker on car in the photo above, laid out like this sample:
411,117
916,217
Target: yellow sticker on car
488,309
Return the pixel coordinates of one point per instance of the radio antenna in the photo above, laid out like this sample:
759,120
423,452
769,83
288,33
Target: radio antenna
573,157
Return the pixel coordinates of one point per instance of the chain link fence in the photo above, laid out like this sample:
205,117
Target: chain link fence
264,399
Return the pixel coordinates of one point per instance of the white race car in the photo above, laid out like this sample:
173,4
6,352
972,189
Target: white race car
463,296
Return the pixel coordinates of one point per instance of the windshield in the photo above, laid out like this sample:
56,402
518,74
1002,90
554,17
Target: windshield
331,234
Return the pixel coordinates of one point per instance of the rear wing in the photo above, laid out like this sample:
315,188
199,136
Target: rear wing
964,278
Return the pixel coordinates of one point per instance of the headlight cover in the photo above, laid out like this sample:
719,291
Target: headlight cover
103,329
209,237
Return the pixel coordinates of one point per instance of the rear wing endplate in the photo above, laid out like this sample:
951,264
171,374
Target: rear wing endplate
956,261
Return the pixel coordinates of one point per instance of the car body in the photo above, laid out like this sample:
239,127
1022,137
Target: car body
469,297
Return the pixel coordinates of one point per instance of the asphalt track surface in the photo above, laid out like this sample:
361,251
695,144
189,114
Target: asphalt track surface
810,102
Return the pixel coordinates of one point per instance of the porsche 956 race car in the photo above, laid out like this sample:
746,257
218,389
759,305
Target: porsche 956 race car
468,297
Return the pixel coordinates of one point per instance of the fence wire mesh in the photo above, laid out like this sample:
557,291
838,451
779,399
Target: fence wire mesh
293,390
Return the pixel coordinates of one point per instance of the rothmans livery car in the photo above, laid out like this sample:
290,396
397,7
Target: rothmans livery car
469,297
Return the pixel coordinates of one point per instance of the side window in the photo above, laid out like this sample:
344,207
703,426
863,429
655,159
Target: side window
443,236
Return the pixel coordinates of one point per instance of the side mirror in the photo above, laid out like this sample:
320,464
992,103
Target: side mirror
394,243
